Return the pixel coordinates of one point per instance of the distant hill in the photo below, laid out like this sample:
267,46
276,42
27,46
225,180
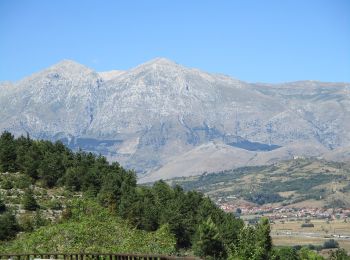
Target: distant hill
296,183
160,114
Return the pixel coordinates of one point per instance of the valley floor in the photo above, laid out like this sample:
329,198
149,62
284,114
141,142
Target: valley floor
290,233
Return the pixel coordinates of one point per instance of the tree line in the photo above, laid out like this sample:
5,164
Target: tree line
195,221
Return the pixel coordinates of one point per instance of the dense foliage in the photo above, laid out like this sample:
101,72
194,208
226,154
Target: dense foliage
289,253
254,242
8,225
146,208
116,214
263,197
91,228
339,254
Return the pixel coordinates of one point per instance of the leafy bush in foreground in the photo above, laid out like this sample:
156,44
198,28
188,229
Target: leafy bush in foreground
92,228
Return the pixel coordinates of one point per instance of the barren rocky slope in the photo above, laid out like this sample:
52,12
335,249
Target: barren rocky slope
164,119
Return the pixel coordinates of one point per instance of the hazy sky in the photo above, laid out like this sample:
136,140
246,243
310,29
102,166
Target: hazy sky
256,41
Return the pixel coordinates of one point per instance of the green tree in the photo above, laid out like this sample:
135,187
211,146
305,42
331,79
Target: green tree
72,178
285,253
2,205
246,247
264,239
8,226
146,216
209,243
114,184
307,254
229,228
51,169
39,220
339,254
181,214
7,153
254,242
31,161
26,223
7,184
29,202
22,145
331,243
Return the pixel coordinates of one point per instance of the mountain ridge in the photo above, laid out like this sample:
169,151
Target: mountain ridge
149,115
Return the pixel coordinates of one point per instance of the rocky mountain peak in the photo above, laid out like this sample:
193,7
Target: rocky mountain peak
160,112
68,64
161,61
159,65
63,75
69,67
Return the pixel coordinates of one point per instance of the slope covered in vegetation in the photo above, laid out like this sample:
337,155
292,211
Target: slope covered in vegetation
112,213
91,228
304,182
52,166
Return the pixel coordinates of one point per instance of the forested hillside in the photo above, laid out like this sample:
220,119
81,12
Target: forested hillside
101,208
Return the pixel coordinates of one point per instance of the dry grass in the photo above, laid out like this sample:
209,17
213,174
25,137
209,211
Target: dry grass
292,241
321,229
320,226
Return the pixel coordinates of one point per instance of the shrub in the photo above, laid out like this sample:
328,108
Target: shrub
339,254
26,223
7,184
66,213
29,202
93,229
2,206
39,221
306,254
54,205
8,226
23,182
264,197
307,225
285,253
331,243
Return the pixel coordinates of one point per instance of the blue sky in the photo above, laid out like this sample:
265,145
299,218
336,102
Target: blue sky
256,41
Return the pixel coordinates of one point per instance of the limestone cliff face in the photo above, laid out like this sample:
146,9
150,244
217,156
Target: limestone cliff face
155,115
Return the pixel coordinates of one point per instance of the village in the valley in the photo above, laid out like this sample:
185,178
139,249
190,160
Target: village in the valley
304,226
286,212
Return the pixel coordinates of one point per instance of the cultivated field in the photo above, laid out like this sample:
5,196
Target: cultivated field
290,233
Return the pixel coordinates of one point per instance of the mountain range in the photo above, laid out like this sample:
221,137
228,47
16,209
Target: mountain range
165,120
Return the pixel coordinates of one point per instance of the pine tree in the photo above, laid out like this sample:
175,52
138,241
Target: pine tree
264,238
7,153
209,243
29,202
31,161
2,206
51,169
8,226
22,145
